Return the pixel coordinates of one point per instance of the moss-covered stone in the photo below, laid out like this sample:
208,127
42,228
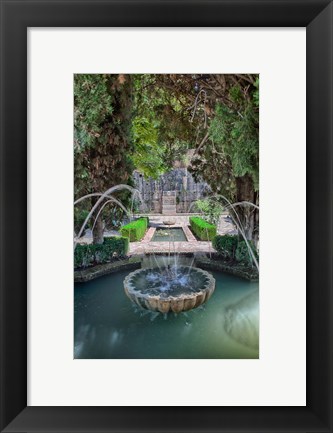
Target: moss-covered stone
93,272
237,270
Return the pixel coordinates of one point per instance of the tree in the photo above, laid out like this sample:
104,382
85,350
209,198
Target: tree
225,115
102,144
230,160
148,121
161,127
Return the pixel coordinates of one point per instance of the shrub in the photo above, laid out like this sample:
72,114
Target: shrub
135,230
243,255
119,244
211,209
145,218
82,256
92,254
226,245
234,248
202,229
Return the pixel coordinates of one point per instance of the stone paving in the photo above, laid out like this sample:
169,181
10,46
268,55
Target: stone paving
145,246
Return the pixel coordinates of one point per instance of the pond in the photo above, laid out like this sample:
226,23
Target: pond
170,234
108,325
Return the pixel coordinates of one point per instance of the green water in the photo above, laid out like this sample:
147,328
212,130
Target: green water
170,234
108,325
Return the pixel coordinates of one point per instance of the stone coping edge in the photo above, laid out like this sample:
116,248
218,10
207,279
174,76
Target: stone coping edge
97,271
214,265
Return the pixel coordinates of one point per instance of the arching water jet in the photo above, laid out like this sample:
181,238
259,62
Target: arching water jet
106,194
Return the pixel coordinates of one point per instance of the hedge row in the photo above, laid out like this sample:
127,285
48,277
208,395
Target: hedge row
145,218
235,249
93,254
202,229
135,230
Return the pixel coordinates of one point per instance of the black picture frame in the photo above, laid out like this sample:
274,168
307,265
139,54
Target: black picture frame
16,17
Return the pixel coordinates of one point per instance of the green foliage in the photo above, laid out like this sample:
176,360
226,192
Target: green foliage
236,135
226,246
161,129
211,209
256,93
135,230
234,249
92,104
147,220
148,155
235,94
151,121
202,229
80,216
119,244
102,124
229,159
91,254
242,253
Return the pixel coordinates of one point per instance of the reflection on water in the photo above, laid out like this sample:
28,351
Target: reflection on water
108,325
241,320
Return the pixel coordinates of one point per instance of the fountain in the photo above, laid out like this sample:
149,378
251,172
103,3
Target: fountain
173,288
167,288
102,196
165,284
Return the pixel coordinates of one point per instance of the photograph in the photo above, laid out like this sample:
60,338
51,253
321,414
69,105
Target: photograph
166,216
135,139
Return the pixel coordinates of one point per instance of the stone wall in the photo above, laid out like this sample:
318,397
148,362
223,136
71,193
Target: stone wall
178,180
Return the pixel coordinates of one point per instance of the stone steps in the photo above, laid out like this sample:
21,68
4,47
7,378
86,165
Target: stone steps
169,209
169,203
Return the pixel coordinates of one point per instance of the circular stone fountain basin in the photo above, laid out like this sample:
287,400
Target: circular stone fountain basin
174,289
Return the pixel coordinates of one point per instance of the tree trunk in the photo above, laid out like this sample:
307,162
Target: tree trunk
98,231
99,226
248,215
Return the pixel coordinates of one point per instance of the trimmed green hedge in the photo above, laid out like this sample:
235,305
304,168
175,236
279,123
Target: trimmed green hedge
92,254
135,230
234,248
226,246
145,218
202,229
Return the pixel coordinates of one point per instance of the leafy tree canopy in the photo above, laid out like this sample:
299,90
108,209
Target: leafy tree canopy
232,147
149,121
102,139
161,128
92,105
102,121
